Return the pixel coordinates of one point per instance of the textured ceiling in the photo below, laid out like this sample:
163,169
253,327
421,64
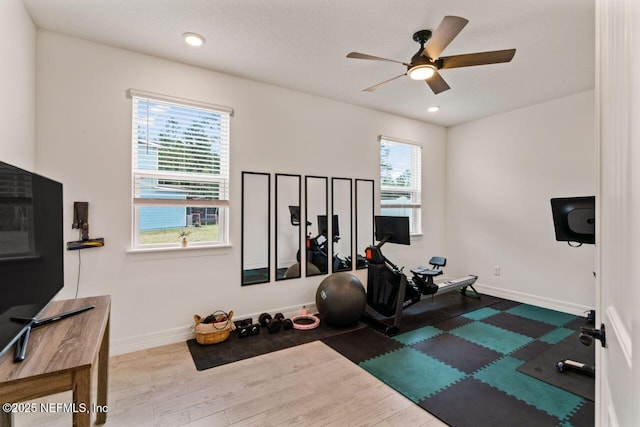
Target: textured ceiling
302,45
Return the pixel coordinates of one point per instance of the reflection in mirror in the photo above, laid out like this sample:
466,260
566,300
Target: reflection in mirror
287,226
317,243
364,219
256,197
341,223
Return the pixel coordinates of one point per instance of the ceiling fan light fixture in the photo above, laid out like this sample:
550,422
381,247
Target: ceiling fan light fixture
193,39
427,61
422,71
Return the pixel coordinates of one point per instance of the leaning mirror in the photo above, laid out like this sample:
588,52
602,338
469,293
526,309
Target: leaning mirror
316,233
364,219
341,224
256,198
287,226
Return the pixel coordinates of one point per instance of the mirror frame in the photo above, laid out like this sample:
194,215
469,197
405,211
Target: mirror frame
373,213
333,206
243,234
307,219
277,221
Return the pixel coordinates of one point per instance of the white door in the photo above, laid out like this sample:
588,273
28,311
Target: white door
618,211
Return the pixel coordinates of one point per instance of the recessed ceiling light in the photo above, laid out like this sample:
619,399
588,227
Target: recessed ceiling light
193,39
433,109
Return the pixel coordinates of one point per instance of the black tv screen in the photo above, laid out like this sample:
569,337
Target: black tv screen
395,229
574,219
294,212
31,248
322,225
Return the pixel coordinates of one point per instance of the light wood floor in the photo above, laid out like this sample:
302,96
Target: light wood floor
310,385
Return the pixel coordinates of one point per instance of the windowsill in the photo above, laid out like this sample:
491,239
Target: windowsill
191,250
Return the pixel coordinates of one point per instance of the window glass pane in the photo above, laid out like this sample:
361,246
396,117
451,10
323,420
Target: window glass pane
395,164
162,224
400,181
180,172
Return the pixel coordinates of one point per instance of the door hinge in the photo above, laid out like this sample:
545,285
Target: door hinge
588,334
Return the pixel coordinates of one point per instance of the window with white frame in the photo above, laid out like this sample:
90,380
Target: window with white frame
400,181
180,153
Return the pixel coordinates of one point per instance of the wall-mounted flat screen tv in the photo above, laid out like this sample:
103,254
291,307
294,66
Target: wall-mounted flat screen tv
574,219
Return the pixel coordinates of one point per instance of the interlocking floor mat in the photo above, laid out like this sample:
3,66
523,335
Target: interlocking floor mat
465,369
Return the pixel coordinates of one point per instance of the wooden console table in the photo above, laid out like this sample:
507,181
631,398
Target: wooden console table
61,357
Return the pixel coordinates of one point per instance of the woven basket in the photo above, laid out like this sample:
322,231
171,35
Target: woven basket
213,333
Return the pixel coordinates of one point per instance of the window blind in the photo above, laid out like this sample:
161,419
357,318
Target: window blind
400,174
180,153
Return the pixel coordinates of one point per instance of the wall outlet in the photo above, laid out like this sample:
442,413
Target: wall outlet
496,270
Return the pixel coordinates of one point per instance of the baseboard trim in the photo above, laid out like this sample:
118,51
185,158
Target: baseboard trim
553,304
184,333
150,340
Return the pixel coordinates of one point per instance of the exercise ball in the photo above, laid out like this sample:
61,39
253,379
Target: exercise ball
294,270
341,299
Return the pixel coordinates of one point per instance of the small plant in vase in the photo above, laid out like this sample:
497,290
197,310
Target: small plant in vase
184,233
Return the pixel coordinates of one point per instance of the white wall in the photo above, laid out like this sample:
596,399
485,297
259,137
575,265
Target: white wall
288,190
17,85
501,173
84,140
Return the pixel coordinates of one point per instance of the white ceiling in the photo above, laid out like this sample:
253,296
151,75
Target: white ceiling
302,44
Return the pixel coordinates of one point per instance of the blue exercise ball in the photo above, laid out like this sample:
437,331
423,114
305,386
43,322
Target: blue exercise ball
341,299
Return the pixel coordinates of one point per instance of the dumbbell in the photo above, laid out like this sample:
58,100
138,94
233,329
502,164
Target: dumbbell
286,323
273,324
247,328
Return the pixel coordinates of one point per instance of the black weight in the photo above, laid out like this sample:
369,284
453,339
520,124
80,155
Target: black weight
274,326
246,328
254,329
243,322
264,319
244,331
287,324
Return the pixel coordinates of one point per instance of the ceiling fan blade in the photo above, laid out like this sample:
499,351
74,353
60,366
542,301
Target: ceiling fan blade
358,55
374,87
437,83
480,58
448,29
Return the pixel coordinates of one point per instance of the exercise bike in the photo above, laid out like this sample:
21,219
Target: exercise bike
389,291
317,248
338,263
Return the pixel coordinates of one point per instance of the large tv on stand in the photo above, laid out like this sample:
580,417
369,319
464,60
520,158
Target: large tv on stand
31,251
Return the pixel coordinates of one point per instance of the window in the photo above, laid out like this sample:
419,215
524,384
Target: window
180,152
400,181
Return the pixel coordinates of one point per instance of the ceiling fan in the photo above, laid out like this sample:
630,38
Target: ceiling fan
427,61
